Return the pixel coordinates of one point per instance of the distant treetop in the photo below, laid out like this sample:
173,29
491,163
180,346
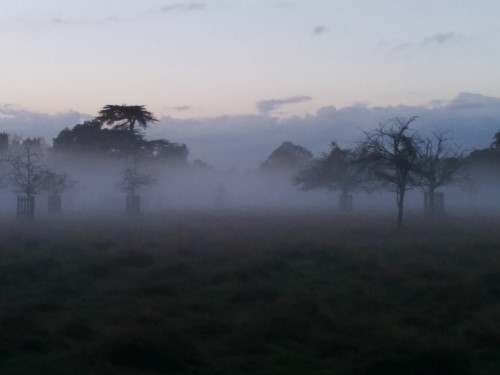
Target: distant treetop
125,116
287,156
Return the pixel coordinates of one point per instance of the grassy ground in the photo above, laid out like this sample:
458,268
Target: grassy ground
250,293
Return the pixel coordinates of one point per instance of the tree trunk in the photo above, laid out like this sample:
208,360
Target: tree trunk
430,202
400,202
433,203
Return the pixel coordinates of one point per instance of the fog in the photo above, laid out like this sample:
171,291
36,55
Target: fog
192,187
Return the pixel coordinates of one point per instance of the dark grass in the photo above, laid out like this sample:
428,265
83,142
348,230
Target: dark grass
253,292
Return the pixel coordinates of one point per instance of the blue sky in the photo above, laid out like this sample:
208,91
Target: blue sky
229,75
213,57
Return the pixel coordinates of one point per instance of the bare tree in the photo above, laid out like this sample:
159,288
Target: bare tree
27,174
438,164
390,153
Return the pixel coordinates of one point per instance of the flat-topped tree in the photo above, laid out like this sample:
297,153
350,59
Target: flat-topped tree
126,116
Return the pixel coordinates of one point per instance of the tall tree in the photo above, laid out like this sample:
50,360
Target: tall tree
390,153
126,116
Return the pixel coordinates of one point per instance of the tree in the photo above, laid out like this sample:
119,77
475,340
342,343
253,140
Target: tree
125,116
287,157
337,170
483,164
389,153
438,163
91,138
132,181
85,137
27,175
57,183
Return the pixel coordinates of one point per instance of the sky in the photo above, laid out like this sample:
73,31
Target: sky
223,66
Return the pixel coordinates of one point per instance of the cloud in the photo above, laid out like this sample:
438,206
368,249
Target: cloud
319,30
18,121
438,38
434,39
244,141
182,7
175,7
468,101
269,105
59,21
402,47
182,108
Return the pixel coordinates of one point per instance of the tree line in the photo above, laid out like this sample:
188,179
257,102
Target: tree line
117,132
392,157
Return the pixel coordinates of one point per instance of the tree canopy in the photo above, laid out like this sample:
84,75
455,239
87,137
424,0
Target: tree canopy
112,133
287,156
336,170
125,116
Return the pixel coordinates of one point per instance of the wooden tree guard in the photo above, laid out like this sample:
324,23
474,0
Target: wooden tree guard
438,204
25,207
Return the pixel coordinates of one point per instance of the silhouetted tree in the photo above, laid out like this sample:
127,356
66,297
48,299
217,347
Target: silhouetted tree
164,150
337,170
484,164
389,153
125,116
92,138
288,158
438,163
83,137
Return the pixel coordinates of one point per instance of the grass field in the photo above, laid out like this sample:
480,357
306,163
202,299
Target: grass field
250,293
